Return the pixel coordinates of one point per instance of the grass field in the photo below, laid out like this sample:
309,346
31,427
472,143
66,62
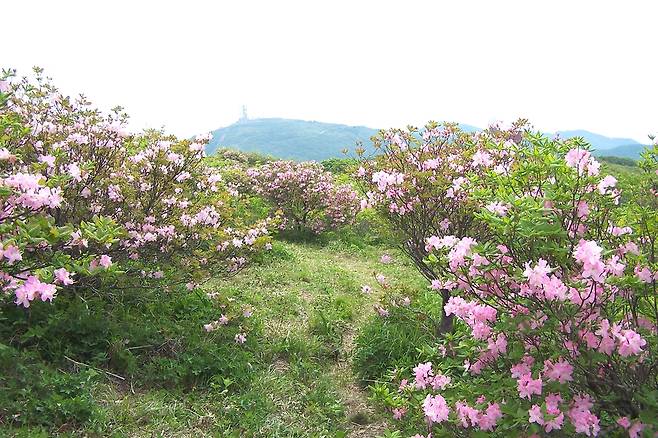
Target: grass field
308,306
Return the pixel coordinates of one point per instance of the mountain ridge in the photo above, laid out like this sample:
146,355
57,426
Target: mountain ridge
313,140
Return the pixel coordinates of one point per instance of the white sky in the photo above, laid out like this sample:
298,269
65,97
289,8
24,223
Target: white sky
191,65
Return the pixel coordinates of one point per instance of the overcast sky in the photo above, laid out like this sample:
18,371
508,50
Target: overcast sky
191,65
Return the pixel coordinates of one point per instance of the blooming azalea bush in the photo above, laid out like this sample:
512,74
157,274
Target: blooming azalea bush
83,200
556,304
106,241
421,180
306,194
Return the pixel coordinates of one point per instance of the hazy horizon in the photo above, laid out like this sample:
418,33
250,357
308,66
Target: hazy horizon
190,68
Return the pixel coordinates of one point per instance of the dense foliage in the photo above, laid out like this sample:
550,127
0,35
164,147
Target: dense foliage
306,195
555,292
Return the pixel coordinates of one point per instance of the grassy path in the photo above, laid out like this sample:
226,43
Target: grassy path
308,310
313,309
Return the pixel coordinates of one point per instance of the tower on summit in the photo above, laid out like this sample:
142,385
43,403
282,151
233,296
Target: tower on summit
244,117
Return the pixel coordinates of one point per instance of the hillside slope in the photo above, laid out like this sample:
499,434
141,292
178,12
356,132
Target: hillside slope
624,151
291,139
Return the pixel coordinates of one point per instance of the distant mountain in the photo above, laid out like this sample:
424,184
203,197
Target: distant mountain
600,142
291,139
625,151
608,146
311,140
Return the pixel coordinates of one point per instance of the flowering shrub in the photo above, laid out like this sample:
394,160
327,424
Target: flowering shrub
421,181
305,194
557,304
83,199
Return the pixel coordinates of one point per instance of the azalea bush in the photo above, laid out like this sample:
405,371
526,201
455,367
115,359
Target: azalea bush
83,198
418,183
556,304
306,195
107,240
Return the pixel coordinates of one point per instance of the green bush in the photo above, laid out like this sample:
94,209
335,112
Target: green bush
154,340
397,341
32,393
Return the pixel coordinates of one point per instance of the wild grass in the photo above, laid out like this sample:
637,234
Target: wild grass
293,377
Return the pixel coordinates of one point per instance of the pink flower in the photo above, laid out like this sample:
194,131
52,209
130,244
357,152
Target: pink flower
578,158
630,343
33,288
386,259
48,159
482,158
435,408
74,171
624,422
538,275
583,209
487,420
62,276
583,420
366,289
5,154
635,430
440,381
630,247
105,261
555,423
423,374
398,413
240,338
462,249
535,415
605,183
593,167
558,372
498,208
437,242
467,414
643,274
588,253
528,386
12,254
